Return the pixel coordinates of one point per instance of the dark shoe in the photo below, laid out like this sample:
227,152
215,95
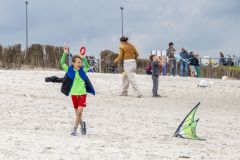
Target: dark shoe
83,128
74,132
156,96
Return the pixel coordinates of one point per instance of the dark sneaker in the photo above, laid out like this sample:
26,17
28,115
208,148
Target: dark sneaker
83,128
156,95
74,132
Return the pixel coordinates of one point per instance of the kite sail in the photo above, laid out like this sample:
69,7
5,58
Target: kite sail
187,129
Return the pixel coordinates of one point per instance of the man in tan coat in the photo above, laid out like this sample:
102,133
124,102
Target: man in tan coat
129,55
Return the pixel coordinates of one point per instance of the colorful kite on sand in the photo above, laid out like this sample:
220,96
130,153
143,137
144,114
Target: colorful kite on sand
187,129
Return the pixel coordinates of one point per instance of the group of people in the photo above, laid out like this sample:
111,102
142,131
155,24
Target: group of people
77,84
183,64
229,60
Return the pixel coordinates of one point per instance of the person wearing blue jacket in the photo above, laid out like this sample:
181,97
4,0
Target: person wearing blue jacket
184,61
76,84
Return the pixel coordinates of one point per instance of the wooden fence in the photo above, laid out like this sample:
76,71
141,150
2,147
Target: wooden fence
219,72
48,56
44,56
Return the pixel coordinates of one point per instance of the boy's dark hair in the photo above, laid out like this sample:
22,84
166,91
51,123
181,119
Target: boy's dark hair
124,39
171,43
151,57
76,57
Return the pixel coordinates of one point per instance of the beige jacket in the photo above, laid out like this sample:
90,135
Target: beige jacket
127,51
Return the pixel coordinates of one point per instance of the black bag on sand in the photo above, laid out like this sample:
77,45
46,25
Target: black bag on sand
54,79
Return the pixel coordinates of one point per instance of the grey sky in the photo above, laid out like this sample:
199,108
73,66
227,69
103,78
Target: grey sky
203,26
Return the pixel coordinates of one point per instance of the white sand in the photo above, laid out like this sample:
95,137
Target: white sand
36,119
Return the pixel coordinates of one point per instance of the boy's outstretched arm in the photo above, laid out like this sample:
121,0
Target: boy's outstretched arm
62,62
86,65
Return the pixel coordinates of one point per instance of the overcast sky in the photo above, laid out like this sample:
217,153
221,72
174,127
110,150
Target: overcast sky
203,26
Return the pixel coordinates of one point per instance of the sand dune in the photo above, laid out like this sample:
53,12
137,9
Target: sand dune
36,119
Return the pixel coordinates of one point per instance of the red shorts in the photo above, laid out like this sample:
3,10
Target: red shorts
79,101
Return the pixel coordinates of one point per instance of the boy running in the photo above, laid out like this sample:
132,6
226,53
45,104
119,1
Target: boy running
77,84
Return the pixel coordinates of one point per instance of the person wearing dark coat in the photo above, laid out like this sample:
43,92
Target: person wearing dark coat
184,60
155,62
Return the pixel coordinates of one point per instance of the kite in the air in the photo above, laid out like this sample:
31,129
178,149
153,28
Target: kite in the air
187,129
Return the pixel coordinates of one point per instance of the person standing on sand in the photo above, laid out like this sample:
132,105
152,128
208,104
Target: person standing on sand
194,62
171,58
129,55
77,84
163,62
155,62
184,60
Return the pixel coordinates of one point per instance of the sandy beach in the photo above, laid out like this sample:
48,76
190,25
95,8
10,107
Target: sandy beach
36,119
